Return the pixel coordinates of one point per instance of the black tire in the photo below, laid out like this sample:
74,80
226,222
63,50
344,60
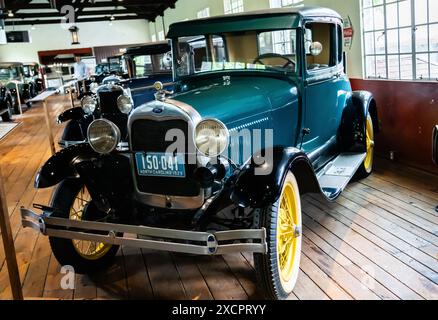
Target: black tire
7,116
366,168
267,266
16,105
63,249
32,90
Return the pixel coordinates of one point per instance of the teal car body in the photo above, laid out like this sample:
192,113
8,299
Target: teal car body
262,112
305,108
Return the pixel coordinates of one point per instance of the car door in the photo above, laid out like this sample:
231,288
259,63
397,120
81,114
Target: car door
324,83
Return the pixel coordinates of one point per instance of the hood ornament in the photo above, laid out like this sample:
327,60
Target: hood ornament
161,93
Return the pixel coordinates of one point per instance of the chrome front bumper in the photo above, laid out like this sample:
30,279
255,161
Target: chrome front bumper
201,243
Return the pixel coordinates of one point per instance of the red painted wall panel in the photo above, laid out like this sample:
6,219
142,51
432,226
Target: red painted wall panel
408,112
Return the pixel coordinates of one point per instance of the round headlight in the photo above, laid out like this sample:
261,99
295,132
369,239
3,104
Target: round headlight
124,103
211,137
93,87
88,104
103,136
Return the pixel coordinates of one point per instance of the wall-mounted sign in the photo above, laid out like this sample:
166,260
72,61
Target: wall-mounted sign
348,33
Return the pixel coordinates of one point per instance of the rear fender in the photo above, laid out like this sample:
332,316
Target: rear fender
366,103
61,165
359,104
257,191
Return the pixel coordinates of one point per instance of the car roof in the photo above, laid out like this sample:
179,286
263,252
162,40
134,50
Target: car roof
9,64
150,48
269,19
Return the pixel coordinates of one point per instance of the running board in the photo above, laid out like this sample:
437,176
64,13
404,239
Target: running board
337,174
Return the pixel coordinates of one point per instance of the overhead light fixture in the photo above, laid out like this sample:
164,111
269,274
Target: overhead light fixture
10,14
112,18
32,27
74,35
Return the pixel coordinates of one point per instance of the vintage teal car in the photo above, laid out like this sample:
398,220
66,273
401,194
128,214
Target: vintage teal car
262,114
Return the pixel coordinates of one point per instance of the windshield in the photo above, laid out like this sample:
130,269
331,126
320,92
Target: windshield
4,74
271,50
145,65
114,64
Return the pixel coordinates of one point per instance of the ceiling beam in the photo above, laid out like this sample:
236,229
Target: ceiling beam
55,21
79,13
101,4
143,9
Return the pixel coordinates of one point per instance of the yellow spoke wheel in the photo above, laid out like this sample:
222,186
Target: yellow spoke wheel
88,250
277,271
368,163
289,233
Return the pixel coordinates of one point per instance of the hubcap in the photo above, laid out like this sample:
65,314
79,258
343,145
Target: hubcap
370,144
287,232
89,250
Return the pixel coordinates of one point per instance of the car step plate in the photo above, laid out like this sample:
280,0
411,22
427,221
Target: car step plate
339,173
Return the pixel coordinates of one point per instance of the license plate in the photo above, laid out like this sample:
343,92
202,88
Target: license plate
160,165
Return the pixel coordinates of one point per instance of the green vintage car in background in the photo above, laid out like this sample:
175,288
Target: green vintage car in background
262,113
12,76
32,77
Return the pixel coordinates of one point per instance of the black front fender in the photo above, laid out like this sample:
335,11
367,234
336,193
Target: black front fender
252,189
60,166
71,114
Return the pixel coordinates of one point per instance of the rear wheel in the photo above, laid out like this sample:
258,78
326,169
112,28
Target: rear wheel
73,201
367,166
277,271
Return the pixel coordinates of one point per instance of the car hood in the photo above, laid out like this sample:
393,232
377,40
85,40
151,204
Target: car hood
237,97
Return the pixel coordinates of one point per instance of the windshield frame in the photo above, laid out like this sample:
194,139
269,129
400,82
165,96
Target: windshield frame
296,73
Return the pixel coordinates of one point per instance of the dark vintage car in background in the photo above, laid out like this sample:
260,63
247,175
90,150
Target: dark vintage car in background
32,76
146,65
115,66
116,98
12,76
262,113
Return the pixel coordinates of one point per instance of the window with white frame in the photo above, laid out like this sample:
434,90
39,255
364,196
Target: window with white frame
401,39
204,13
233,6
161,36
284,3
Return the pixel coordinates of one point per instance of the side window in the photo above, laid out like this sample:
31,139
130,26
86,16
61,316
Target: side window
320,44
14,72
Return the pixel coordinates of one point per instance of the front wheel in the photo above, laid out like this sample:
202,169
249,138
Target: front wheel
73,201
7,116
277,271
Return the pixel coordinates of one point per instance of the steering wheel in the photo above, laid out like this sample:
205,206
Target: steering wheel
274,55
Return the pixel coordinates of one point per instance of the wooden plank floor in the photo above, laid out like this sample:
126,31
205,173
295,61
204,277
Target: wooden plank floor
378,241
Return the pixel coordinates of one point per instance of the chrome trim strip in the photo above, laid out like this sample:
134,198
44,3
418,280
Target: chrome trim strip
44,224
